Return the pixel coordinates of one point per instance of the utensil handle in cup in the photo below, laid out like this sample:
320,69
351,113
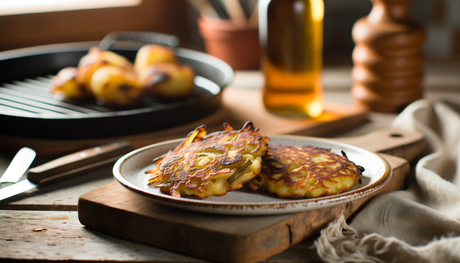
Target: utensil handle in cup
78,163
142,36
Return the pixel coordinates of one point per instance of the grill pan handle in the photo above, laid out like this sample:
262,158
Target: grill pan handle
145,37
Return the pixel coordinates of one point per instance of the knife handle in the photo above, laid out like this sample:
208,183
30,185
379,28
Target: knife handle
78,163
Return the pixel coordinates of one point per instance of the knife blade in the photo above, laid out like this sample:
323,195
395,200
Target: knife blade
68,166
18,166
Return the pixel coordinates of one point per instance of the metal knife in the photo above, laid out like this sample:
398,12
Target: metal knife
18,166
68,166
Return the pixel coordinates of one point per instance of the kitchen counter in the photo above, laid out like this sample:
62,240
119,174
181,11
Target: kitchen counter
44,224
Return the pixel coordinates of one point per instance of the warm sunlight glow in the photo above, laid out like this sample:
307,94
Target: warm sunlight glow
14,7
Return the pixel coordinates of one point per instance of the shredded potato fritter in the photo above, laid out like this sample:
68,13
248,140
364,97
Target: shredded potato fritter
206,165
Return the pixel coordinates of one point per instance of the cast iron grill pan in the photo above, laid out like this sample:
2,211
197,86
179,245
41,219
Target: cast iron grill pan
27,109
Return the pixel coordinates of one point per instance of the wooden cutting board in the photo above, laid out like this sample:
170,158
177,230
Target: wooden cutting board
238,106
116,211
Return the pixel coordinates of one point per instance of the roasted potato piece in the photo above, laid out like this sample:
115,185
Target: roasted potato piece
306,171
168,81
206,165
96,59
153,54
162,76
116,87
65,83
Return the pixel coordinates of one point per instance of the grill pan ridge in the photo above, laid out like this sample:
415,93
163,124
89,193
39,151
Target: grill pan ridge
27,109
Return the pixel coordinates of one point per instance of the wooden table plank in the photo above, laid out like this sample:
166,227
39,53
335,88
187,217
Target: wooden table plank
63,238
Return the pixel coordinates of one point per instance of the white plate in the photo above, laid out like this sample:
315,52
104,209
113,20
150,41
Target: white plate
130,169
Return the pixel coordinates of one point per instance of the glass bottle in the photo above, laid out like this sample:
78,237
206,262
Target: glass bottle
291,39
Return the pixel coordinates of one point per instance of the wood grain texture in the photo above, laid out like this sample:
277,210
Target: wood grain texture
117,211
63,238
53,236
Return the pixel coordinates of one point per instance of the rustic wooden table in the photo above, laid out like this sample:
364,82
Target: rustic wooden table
44,224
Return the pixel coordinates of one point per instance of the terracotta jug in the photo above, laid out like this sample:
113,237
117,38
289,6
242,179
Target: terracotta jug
388,57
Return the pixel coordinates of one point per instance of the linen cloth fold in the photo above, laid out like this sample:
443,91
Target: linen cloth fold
420,223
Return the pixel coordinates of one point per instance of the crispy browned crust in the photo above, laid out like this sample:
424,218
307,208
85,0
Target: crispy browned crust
298,168
178,170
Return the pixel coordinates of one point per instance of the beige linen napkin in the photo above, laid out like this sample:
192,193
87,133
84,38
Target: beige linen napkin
420,223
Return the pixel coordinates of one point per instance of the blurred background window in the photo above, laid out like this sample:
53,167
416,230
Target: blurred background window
13,7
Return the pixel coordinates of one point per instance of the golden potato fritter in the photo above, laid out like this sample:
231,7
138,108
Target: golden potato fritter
305,171
205,165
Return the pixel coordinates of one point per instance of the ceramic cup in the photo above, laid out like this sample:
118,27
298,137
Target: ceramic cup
236,44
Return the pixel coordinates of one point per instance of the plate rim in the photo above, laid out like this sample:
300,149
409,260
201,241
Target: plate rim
284,206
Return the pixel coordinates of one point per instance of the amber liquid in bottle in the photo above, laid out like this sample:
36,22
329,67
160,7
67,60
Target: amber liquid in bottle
291,36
